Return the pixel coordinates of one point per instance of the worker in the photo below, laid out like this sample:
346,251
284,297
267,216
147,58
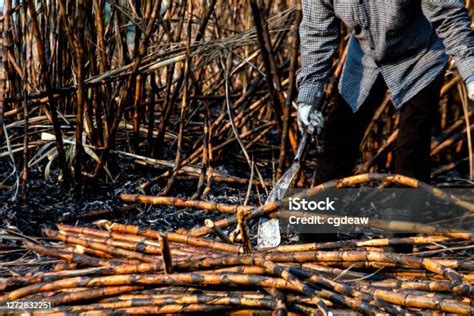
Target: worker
399,45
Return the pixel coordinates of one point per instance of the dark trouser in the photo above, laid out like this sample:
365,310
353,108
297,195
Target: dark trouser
344,131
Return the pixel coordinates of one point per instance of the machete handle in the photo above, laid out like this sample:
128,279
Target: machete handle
301,151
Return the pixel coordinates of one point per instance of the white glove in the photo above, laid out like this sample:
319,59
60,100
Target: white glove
311,121
470,90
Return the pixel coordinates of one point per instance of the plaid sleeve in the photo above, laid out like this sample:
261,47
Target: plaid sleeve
319,33
453,25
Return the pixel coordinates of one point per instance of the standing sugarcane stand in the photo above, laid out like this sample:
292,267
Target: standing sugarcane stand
402,46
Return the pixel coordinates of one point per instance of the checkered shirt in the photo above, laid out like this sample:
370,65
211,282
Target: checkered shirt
404,41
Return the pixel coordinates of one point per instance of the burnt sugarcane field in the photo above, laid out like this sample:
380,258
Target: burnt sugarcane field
257,157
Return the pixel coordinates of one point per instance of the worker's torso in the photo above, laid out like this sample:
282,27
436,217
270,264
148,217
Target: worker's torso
392,38
386,29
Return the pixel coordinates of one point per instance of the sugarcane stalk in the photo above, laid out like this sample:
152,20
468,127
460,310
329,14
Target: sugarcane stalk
266,52
223,236
244,231
245,269
233,300
68,255
50,276
166,254
53,108
140,243
151,279
178,202
128,245
89,294
189,240
382,242
115,251
86,250
182,291
424,302
291,89
419,285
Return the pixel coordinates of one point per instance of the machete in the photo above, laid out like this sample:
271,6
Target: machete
268,235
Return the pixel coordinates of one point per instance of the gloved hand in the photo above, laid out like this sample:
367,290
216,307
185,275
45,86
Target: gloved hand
470,90
310,119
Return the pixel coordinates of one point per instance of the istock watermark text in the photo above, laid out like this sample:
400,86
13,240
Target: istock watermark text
301,204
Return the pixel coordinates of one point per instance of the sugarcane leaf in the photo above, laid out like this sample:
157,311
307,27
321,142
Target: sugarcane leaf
40,155
94,156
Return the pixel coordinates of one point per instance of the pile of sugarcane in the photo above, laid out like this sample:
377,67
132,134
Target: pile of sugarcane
179,86
126,269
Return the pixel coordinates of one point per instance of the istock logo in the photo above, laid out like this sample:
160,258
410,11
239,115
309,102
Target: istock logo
301,204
